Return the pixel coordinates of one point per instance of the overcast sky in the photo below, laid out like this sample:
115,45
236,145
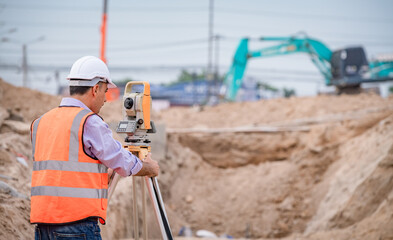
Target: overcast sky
155,39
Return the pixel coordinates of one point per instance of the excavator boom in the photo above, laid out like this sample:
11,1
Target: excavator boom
344,68
320,55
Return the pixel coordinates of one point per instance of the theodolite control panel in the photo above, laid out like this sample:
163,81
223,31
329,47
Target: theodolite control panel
126,127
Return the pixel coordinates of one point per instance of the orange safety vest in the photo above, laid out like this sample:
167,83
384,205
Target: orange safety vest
67,185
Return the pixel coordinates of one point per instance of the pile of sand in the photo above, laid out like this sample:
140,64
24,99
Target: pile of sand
333,180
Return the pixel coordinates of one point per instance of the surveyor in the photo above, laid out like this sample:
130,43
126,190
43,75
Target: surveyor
73,149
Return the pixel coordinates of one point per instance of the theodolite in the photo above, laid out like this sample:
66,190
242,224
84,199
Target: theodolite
136,124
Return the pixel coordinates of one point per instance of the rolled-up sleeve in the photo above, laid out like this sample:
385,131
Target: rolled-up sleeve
99,143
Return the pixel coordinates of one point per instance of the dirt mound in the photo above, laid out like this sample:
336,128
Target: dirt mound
14,192
331,180
314,184
18,107
25,103
269,111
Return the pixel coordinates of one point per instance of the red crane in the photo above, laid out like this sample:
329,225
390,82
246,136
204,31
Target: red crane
113,93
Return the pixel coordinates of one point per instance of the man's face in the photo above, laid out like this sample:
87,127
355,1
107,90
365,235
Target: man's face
100,97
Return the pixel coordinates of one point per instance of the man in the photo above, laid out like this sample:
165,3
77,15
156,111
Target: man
72,151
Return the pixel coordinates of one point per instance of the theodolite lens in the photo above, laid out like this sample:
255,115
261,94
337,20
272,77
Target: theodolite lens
128,103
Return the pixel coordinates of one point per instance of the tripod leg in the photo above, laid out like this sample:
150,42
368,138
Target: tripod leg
144,218
112,184
159,208
142,153
135,208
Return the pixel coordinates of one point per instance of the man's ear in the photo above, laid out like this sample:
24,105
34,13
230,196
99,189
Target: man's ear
95,89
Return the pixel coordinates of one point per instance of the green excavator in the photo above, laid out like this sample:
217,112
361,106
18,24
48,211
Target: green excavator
346,68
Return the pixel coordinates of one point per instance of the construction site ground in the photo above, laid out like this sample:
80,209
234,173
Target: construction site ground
299,168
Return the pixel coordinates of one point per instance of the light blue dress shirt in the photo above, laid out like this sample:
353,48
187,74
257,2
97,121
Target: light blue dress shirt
99,143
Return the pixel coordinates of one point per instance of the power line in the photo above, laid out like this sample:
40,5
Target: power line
353,36
124,68
182,43
352,43
177,9
91,25
120,49
115,8
161,25
163,45
148,47
121,46
280,14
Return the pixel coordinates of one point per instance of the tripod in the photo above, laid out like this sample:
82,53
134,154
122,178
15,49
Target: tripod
155,197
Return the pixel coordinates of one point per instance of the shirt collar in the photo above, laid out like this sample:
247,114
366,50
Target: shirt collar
69,101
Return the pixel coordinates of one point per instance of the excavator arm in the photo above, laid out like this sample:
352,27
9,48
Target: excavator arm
345,68
320,55
382,67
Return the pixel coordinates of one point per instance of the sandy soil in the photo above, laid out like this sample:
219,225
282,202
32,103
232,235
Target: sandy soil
333,181
321,184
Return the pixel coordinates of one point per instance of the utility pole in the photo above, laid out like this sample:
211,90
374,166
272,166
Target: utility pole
216,71
210,49
194,88
24,65
57,79
103,31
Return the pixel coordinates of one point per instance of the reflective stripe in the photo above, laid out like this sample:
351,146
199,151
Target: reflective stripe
69,166
73,150
69,192
34,135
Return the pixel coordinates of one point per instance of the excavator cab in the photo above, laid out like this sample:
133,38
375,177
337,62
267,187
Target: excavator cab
348,66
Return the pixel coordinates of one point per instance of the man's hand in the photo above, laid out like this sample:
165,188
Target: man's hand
150,167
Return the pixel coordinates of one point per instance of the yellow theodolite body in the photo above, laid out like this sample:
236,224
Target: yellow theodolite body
136,121
137,105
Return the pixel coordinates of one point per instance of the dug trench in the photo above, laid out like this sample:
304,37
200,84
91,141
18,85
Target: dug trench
255,185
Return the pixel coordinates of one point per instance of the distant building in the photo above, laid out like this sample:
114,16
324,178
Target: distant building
203,92
184,94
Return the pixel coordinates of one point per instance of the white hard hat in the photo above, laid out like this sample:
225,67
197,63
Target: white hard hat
88,71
